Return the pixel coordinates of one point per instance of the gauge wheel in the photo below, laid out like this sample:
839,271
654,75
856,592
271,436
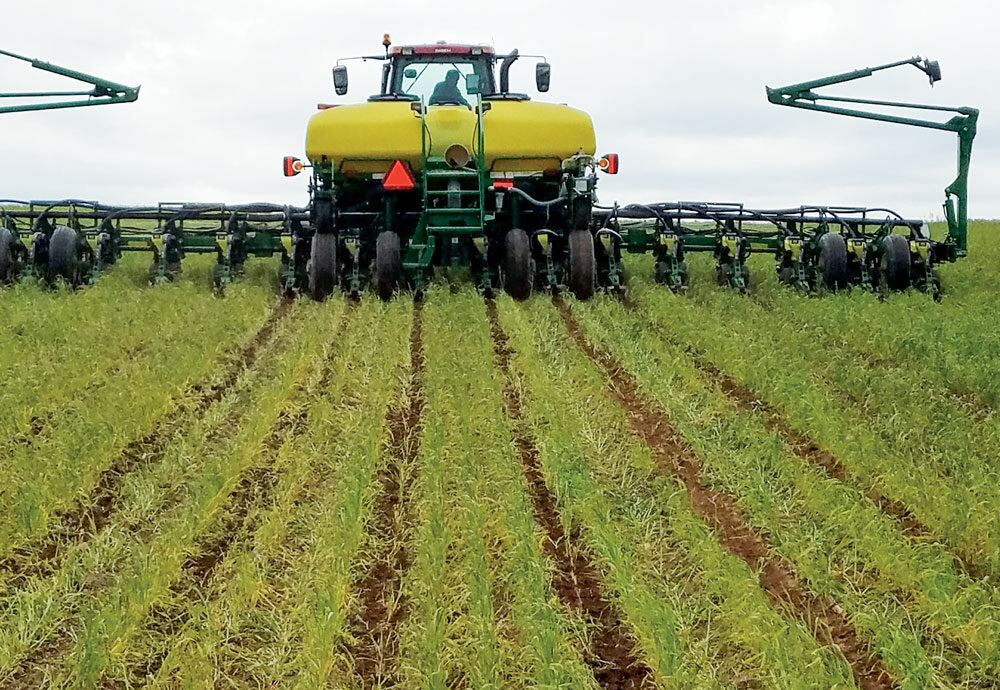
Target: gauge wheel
517,274
64,256
833,260
6,255
582,264
388,265
894,266
323,266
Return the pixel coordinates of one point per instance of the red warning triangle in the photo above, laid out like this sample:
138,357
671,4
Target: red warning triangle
399,178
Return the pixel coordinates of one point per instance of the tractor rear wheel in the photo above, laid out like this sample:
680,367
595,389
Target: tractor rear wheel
582,264
833,260
323,266
6,260
388,266
64,256
517,274
894,266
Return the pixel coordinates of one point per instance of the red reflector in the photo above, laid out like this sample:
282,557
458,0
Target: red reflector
503,184
326,106
292,166
399,178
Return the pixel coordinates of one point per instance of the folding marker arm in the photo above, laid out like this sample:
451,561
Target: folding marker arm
963,123
104,91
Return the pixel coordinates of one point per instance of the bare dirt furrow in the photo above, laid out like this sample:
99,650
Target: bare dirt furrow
720,510
809,450
575,578
88,516
376,624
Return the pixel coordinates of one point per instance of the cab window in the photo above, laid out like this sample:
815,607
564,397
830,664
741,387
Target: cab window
420,79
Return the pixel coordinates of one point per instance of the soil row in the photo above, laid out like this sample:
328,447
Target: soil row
721,512
575,578
375,649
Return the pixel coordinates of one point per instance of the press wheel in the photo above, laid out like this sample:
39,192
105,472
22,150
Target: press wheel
6,258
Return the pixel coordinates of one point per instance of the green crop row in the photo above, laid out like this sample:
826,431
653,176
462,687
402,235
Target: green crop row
698,613
277,612
44,476
160,511
58,349
831,533
483,609
953,344
890,431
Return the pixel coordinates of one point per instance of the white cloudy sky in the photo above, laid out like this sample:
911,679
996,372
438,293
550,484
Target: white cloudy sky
677,89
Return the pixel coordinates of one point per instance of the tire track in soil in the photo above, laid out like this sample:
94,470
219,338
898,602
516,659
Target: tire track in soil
575,579
720,511
374,627
806,448
87,517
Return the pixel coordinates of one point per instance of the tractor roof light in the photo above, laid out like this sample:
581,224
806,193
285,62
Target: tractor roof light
399,178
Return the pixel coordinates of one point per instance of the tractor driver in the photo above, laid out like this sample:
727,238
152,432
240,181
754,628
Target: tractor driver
446,92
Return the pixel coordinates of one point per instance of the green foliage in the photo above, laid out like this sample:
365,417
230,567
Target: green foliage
234,550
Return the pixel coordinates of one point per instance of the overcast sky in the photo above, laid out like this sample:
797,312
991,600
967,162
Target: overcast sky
677,89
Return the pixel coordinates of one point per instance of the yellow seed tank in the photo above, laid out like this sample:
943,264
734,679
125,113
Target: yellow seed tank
520,136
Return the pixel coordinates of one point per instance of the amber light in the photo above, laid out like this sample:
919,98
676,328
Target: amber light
293,166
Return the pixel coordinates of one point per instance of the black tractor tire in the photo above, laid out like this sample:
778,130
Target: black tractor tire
832,261
323,266
322,216
786,275
388,265
64,256
518,278
581,213
6,258
582,264
894,266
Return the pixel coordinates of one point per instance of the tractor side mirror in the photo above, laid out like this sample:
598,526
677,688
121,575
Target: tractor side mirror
410,73
340,79
472,84
543,70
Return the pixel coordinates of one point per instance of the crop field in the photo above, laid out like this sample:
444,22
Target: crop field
693,491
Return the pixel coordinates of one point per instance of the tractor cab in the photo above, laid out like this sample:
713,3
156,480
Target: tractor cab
427,72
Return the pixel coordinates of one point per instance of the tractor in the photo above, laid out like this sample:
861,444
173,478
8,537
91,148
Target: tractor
447,166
